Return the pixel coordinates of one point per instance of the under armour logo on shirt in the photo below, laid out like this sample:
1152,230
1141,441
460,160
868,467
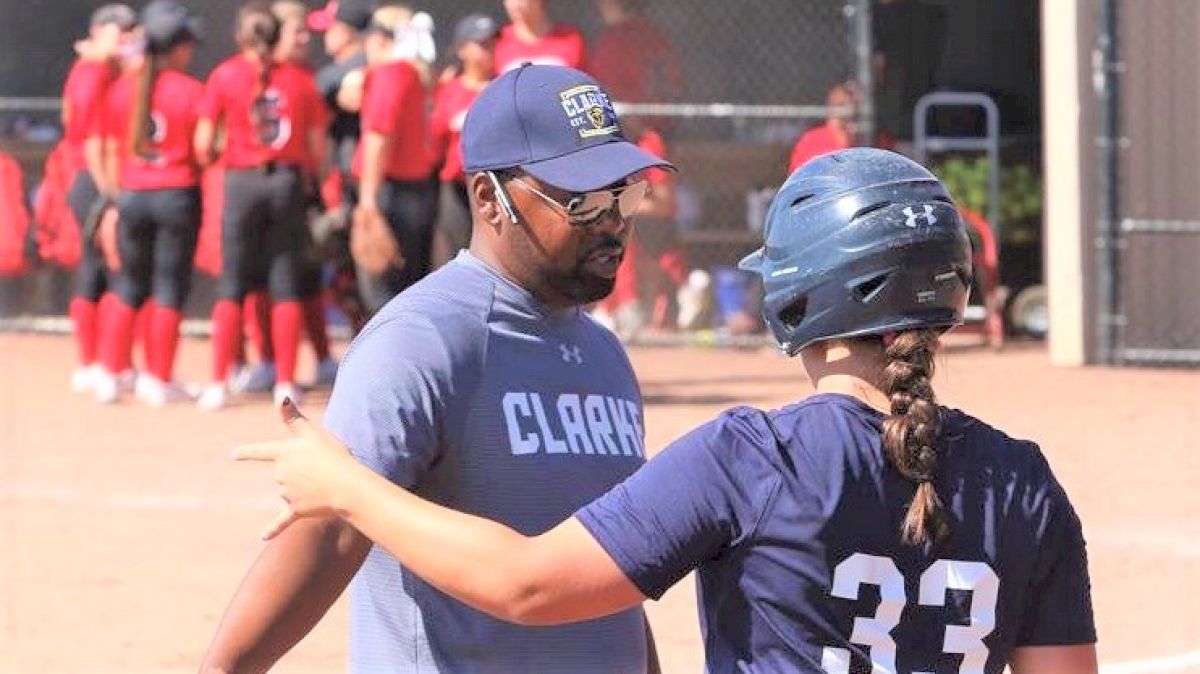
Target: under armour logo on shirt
912,218
571,354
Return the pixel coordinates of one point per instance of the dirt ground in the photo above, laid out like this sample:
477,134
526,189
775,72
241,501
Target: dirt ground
124,531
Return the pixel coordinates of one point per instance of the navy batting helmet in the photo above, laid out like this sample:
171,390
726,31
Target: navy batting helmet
861,242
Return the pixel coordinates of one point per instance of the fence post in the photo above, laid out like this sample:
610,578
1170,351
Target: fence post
859,14
1105,69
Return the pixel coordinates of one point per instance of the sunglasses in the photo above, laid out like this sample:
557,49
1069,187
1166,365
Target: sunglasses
587,208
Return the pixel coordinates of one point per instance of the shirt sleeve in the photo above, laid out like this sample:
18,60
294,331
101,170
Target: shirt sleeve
90,101
387,404
702,496
382,98
1060,608
211,105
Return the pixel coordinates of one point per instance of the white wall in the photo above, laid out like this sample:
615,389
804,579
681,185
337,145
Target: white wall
1063,175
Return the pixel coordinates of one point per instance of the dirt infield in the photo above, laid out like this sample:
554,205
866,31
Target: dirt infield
124,531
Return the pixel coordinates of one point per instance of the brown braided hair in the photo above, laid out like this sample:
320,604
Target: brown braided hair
141,125
258,31
911,433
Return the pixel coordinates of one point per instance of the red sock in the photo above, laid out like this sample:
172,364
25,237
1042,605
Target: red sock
116,335
83,319
141,334
257,319
163,334
286,319
106,309
315,327
226,335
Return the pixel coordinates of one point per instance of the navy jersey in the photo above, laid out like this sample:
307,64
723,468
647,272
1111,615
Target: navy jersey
793,523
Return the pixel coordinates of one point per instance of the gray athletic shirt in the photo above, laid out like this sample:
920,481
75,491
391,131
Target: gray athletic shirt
468,391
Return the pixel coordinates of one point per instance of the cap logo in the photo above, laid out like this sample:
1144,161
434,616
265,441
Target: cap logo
589,111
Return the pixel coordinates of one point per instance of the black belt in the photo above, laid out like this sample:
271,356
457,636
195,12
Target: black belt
269,168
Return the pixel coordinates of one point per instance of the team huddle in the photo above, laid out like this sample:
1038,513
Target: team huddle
479,482
291,187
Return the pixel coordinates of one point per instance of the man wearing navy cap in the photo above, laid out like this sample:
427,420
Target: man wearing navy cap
485,388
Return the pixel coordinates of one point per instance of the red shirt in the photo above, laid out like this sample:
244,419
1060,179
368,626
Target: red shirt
288,109
169,160
562,46
636,62
394,106
449,110
83,103
817,141
653,143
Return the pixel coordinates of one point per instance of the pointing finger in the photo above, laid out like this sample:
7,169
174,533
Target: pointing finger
259,451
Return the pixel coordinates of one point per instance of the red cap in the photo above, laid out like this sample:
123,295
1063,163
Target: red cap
320,20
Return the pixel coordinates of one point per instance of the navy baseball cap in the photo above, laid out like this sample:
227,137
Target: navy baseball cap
475,28
115,13
167,24
555,123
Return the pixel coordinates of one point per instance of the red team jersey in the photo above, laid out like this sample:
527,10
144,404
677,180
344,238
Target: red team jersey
83,102
394,106
169,161
562,46
450,107
817,141
636,62
288,109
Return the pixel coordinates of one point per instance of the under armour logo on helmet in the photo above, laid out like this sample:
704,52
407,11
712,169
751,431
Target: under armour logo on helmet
912,218
571,354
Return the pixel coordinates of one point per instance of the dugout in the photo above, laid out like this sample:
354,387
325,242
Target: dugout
755,76
1123,213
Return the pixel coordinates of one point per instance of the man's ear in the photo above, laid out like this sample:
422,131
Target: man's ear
485,201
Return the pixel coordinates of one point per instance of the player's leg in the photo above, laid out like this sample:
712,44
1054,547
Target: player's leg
241,221
89,285
312,296
135,232
177,218
284,233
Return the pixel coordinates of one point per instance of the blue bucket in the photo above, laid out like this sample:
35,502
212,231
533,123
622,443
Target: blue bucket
734,291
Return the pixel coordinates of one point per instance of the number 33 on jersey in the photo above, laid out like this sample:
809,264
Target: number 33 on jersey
875,632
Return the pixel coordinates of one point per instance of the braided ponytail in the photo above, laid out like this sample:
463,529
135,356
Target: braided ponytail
911,433
258,32
141,128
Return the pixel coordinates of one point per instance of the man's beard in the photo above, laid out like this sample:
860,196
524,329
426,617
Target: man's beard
578,285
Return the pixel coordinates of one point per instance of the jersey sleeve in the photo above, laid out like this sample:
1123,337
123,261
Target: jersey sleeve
387,404
702,496
91,100
382,99
1060,609
212,103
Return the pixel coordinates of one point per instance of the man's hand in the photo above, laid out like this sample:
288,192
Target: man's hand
314,471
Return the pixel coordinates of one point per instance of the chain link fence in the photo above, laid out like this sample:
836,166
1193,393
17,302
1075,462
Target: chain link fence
753,77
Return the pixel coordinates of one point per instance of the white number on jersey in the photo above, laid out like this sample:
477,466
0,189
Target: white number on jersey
874,632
